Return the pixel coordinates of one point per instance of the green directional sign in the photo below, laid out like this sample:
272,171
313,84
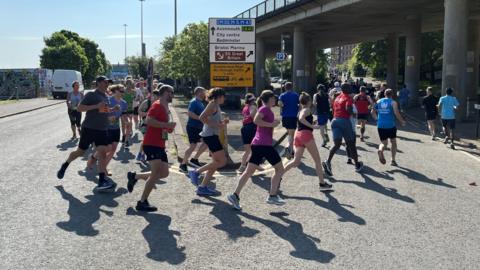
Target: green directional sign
248,28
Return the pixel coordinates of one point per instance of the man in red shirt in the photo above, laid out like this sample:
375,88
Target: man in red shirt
362,102
342,129
158,127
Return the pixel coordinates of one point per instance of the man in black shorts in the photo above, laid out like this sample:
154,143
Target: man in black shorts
429,103
94,131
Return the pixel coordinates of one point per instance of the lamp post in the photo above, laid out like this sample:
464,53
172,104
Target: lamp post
175,17
125,31
141,23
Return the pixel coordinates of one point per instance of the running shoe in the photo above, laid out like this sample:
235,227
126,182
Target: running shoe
446,140
184,168
327,167
61,172
452,146
349,161
324,144
195,163
325,186
131,181
242,169
194,177
381,157
359,166
235,201
145,206
104,185
393,163
205,191
275,200
139,156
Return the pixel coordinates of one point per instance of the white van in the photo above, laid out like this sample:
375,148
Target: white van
62,80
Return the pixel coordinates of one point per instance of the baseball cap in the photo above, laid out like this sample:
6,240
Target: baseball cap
102,78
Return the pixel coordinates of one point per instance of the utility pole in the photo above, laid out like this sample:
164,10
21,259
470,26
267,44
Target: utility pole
175,17
125,59
141,23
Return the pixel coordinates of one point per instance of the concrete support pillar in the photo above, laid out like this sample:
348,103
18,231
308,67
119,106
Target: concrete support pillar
455,51
310,64
413,59
392,61
260,66
298,69
312,82
473,59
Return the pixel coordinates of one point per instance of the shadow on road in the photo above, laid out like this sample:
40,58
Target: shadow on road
409,139
305,245
83,215
369,184
416,176
161,240
231,223
67,145
124,155
344,215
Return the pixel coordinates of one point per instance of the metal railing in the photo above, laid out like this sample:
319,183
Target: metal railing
265,8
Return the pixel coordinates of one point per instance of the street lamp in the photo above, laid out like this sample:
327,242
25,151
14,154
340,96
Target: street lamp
141,22
125,59
175,17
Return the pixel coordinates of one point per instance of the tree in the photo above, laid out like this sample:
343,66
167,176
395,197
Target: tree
432,53
67,50
137,66
188,57
322,63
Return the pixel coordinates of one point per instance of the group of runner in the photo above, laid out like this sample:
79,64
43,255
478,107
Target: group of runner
107,107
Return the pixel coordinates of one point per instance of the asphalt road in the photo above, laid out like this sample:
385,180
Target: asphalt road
421,215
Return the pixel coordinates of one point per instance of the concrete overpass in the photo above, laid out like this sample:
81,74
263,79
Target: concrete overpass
317,24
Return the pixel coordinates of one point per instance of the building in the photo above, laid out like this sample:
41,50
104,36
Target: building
340,55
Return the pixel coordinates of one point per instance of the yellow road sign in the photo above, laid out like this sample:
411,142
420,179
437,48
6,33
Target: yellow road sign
231,75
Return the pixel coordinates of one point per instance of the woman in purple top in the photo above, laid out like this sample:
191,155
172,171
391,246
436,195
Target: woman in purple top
262,147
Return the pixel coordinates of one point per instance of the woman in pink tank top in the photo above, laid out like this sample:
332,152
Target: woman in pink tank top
262,148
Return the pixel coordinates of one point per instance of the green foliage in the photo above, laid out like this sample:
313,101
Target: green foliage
322,63
67,50
137,66
185,56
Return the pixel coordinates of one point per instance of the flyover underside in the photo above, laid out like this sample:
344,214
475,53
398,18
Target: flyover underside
341,22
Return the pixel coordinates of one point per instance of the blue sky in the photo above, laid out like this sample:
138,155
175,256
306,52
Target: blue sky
24,23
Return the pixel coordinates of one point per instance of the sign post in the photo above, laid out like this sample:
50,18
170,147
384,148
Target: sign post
232,57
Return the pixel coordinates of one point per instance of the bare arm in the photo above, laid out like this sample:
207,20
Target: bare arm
205,116
155,123
374,113
397,113
258,120
85,108
193,115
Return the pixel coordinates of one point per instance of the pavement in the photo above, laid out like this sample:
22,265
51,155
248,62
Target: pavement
26,105
421,215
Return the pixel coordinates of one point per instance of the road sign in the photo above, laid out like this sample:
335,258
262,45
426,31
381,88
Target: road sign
281,56
240,53
231,75
227,30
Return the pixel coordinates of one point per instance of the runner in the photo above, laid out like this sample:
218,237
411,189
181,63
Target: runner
342,128
73,100
262,147
381,92
139,97
212,121
194,128
362,102
154,146
127,118
248,129
142,112
114,120
447,106
94,130
304,139
429,103
322,105
403,96
288,103
385,111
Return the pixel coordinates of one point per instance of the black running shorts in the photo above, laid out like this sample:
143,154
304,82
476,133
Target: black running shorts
259,152
89,136
155,153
